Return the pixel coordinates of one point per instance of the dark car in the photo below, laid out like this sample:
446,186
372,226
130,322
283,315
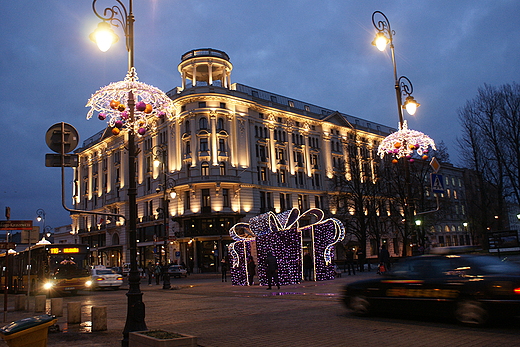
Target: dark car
473,289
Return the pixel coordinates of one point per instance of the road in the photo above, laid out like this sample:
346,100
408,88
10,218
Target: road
222,315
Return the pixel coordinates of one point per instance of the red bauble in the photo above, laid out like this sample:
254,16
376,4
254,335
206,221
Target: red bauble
141,131
395,161
102,116
114,104
116,131
140,106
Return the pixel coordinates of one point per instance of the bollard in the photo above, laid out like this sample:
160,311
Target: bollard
99,318
40,303
74,312
57,307
19,302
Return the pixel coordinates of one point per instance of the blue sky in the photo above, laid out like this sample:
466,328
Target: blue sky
314,51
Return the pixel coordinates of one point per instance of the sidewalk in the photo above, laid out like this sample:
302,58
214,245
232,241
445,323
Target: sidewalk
159,304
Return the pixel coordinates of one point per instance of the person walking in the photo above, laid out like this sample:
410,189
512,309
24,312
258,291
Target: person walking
272,271
149,271
251,270
307,266
384,260
223,267
350,262
158,272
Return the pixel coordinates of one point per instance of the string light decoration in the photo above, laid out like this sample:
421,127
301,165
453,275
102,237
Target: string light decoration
281,235
111,103
405,143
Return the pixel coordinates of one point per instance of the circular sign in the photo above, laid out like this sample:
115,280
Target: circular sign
62,132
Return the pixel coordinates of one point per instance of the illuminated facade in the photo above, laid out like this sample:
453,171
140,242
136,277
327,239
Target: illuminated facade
232,151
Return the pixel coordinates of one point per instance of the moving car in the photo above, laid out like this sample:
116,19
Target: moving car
177,271
473,289
105,278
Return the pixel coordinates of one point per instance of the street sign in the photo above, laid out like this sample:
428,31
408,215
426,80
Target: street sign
54,160
16,225
7,245
62,133
434,163
437,183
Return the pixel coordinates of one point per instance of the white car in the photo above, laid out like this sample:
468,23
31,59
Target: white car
177,271
106,278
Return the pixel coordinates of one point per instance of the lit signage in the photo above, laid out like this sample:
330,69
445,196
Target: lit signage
56,250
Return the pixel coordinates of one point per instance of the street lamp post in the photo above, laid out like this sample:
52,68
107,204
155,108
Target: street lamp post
160,154
119,16
403,86
40,217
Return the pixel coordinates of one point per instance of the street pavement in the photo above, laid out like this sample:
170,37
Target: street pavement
222,315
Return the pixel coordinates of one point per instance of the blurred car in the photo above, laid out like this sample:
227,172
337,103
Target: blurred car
473,289
126,270
105,278
177,271
117,269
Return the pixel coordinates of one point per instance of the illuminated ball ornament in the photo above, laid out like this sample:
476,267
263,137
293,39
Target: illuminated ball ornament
148,108
114,104
405,143
141,131
115,131
140,106
395,161
118,124
102,116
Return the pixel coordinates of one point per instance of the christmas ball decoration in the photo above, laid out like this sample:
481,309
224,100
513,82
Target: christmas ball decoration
148,108
397,144
121,107
114,104
141,131
395,161
411,160
102,116
124,115
140,106
424,157
405,143
115,131
118,124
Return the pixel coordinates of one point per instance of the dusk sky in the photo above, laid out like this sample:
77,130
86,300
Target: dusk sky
319,52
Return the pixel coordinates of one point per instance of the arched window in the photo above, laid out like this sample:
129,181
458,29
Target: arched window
115,239
203,123
204,169
187,126
220,124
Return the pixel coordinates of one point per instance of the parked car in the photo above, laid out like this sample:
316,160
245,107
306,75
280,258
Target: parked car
126,270
473,289
177,271
105,278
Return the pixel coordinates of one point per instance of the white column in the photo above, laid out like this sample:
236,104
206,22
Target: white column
272,149
213,138
307,157
210,72
194,79
194,142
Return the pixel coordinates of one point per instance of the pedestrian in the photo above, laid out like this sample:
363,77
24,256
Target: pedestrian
251,270
158,271
350,262
150,270
307,266
272,271
361,260
223,267
384,259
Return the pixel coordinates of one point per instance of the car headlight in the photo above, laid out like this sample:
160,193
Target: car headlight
47,285
88,283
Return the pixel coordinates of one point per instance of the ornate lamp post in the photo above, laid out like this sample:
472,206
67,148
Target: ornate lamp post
132,106
160,155
404,142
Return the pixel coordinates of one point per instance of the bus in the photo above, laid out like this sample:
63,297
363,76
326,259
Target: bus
55,269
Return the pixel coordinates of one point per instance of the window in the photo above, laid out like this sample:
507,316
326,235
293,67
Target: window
273,98
291,103
204,169
223,105
254,93
222,169
263,174
187,199
206,201
220,124
307,108
203,123
188,147
187,126
202,104
204,144
222,145
225,197
283,176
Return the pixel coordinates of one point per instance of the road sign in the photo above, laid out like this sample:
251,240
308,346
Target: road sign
54,160
434,163
7,245
16,225
62,133
437,183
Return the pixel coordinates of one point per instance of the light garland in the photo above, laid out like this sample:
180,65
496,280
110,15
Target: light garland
111,103
281,235
406,142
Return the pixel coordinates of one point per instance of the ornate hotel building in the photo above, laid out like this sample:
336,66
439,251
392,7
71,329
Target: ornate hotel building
230,153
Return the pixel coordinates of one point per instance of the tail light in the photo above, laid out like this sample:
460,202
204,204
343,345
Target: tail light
517,290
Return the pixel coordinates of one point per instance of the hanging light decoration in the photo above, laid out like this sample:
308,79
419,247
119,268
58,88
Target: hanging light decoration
406,143
111,103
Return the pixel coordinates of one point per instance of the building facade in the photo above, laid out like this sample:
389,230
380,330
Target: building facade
231,152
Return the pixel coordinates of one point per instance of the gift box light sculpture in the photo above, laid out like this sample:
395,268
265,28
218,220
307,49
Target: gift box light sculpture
282,235
112,104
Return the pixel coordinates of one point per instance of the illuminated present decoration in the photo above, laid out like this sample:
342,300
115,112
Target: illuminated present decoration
406,142
111,103
281,234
